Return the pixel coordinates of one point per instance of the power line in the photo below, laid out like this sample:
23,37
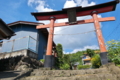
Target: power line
116,35
117,31
77,33
63,29
113,30
69,26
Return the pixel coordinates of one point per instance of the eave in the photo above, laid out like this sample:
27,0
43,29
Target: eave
81,11
5,31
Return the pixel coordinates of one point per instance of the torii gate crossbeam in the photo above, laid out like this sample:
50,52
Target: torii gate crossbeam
78,22
77,11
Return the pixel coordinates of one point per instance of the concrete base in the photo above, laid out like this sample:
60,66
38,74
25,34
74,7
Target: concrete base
13,54
49,61
53,61
103,57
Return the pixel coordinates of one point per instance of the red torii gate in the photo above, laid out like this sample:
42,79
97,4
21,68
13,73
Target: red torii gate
71,14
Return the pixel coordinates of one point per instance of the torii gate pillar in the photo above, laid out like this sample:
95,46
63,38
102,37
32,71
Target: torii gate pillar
49,56
103,54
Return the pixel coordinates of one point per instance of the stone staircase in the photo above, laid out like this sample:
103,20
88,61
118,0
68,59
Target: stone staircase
107,72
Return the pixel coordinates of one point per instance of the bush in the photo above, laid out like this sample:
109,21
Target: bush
65,66
42,60
96,63
83,66
114,51
118,65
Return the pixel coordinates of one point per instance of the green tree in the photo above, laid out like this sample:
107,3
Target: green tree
90,52
67,60
76,57
114,51
59,49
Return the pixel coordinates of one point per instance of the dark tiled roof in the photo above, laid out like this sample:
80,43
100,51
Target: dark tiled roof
24,22
5,31
83,11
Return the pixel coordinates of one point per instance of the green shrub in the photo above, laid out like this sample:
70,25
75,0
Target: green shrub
83,66
65,66
42,60
114,51
96,63
53,69
118,65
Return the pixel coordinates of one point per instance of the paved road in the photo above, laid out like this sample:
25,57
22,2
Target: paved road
9,75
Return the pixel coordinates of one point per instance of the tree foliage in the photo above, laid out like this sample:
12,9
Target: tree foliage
42,60
83,66
96,62
114,51
65,66
76,57
90,52
59,49
66,58
70,59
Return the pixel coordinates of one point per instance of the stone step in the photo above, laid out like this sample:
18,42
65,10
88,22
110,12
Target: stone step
68,73
106,72
75,77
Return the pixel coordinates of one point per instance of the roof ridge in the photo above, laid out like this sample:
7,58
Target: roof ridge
24,22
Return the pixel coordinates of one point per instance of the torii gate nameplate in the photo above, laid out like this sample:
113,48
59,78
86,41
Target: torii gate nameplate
91,10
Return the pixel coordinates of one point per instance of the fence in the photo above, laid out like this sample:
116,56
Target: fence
27,42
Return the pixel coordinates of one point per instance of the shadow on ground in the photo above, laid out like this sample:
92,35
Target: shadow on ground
9,74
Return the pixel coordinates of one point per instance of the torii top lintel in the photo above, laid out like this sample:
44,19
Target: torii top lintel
80,11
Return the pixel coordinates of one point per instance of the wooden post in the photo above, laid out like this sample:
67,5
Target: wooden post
50,37
48,57
99,33
103,54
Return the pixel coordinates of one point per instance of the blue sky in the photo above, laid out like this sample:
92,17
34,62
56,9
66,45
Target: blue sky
15,10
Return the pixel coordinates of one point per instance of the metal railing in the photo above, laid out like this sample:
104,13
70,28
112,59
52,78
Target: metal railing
26,42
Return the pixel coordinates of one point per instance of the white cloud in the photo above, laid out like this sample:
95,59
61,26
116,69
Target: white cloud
41,5
70,3
84,3
84,48
64,52
75,41
30,2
